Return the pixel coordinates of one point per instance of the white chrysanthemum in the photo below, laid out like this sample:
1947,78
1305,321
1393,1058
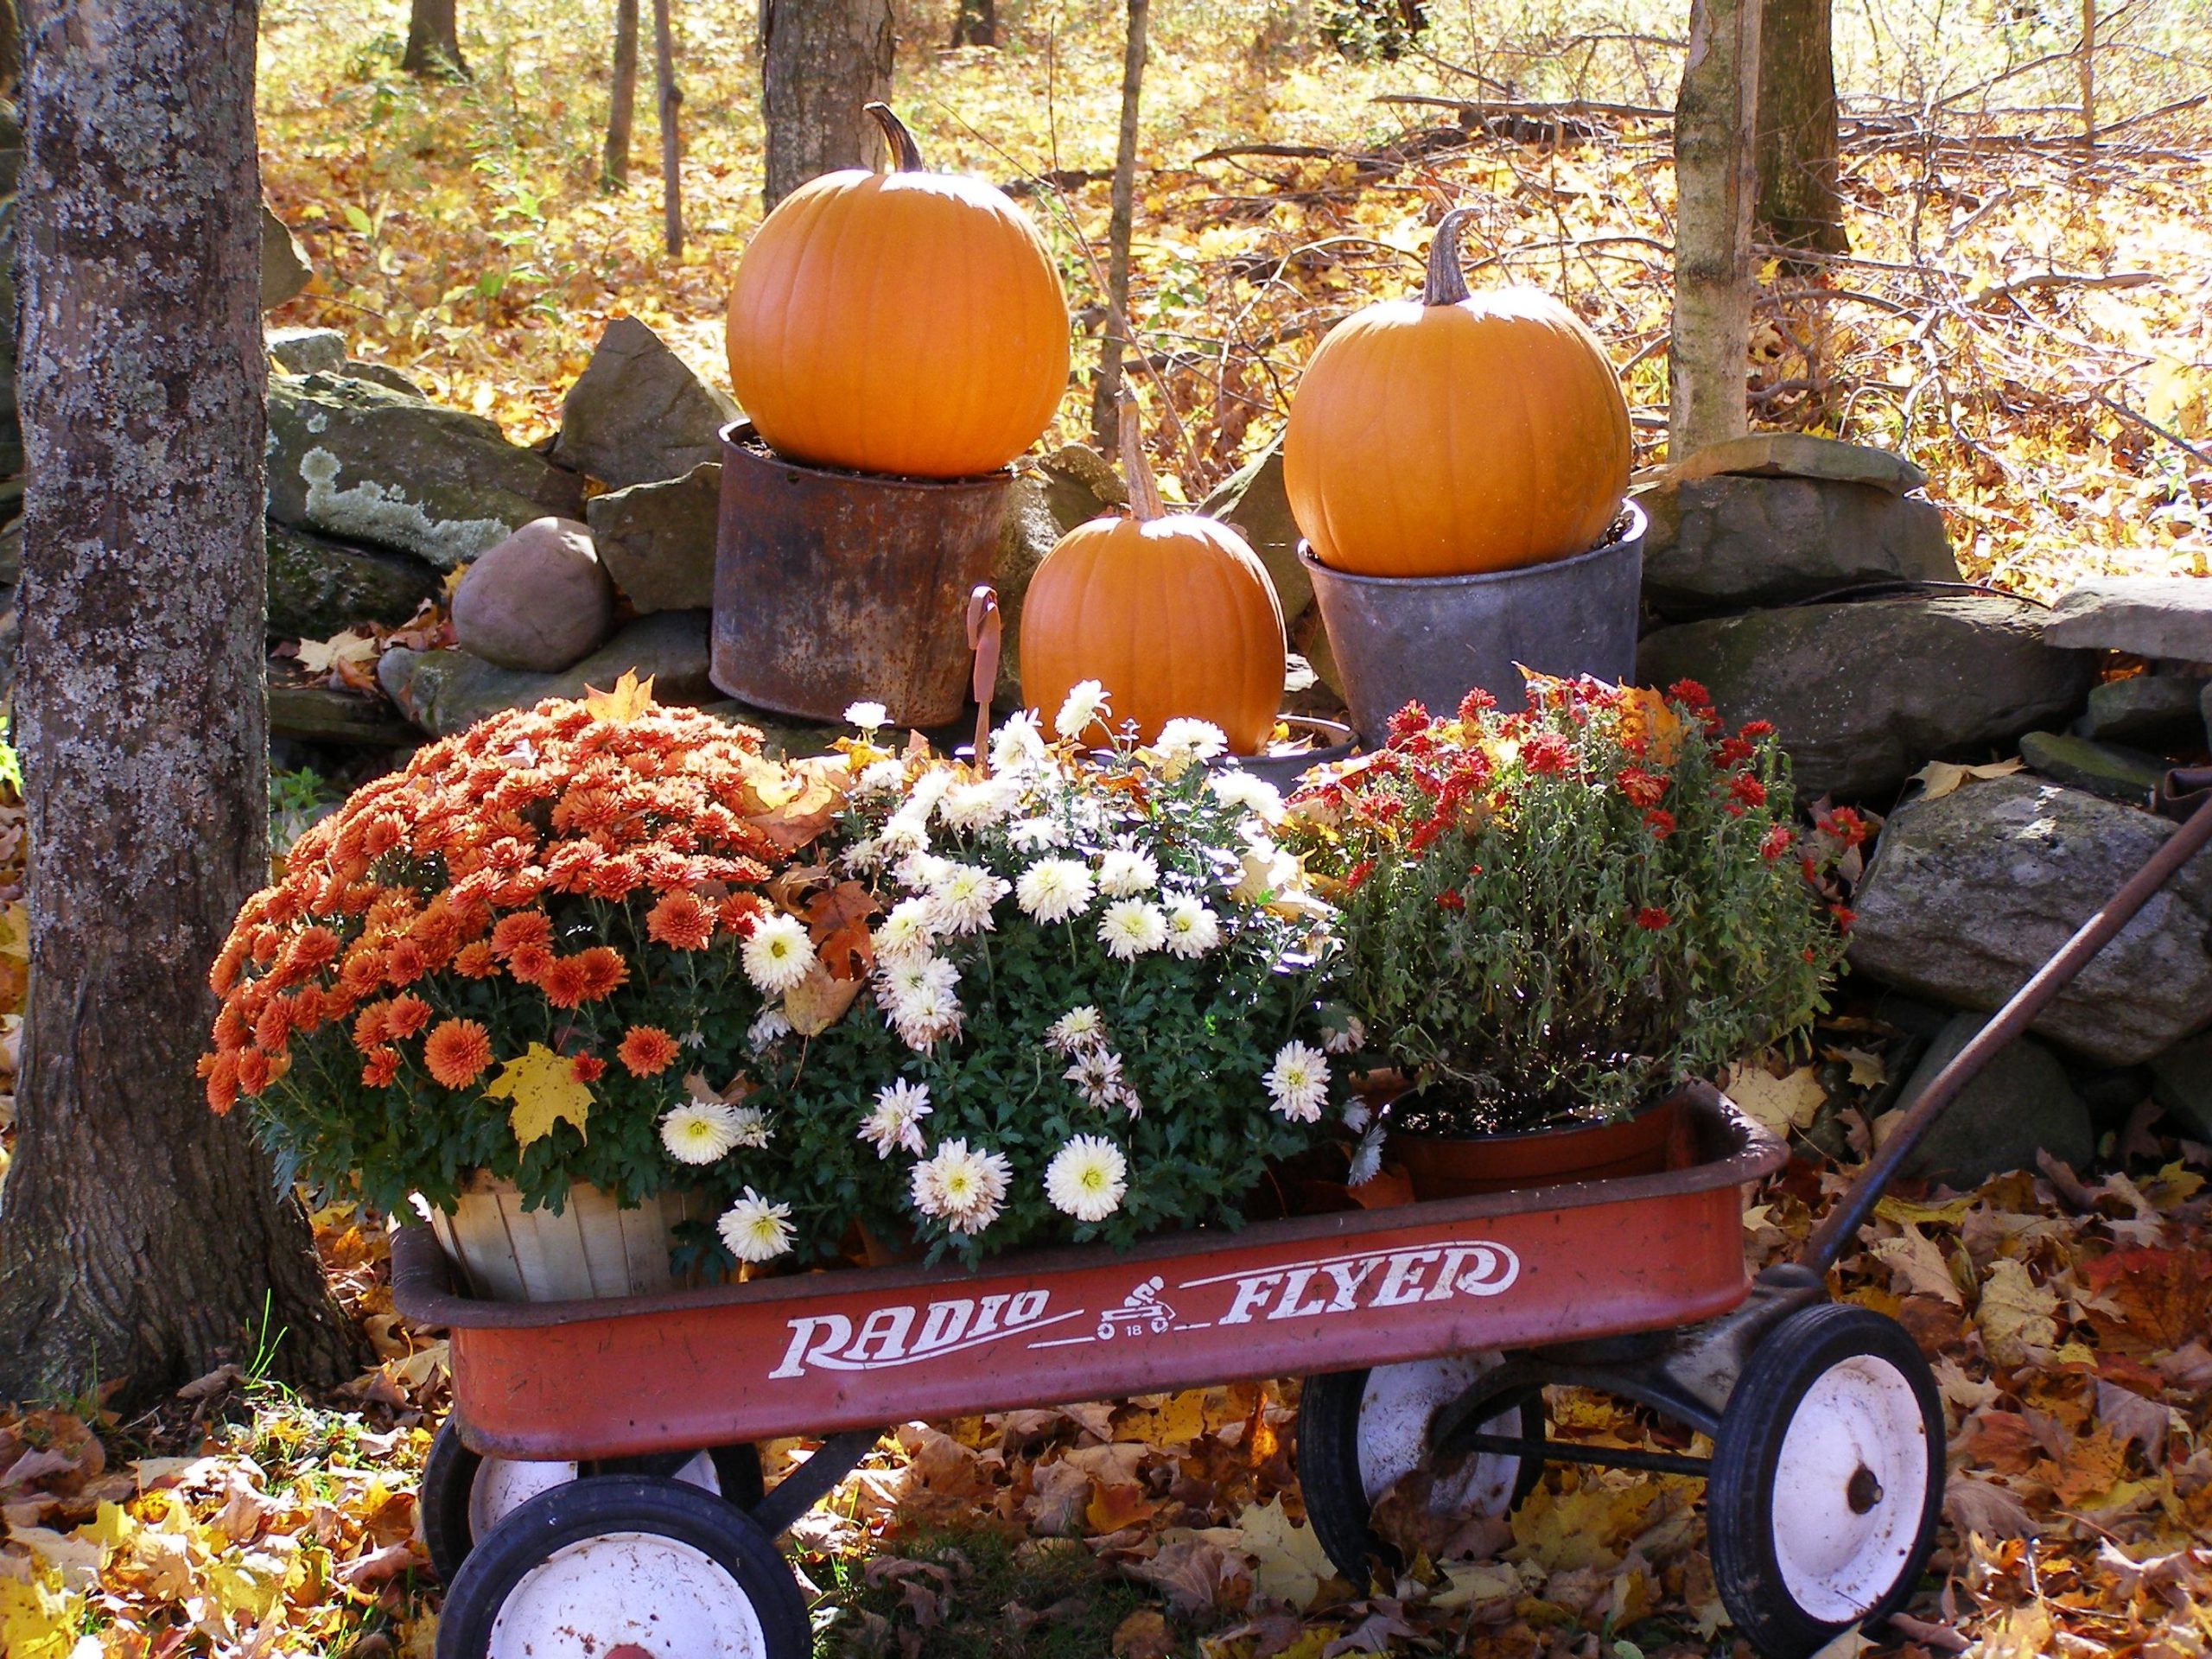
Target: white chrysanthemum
904,833
920,871
1366,1159
965,1189
1053,889
778,953
880,777
927,791
1019,743
1346,1038
896,1121
1123,874
863,855
755,1230
1096,1074
767,1025
913,976
1264,871
869,716
925,1017
1193,929
978,806
1299,1081
961,899
700,1131
750,1125
1078,1029
909,930
1254,795
1191,739
1086,702
1357,1115
1130,927
1034,835
1087,1178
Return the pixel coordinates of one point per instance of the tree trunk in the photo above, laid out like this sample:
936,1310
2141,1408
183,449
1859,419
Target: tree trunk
1714,184
976,23
2087,70
433,40
1106,393
822,62
622,99
672,144
143,1238
1799,203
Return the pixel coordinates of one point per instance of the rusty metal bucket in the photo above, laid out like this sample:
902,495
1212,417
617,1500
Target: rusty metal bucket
832,588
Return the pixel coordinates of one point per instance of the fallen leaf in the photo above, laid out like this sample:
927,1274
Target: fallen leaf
542,1086
628,699
2017,1316
819,1001
1940,777
1288,1564
1780,1104
325,656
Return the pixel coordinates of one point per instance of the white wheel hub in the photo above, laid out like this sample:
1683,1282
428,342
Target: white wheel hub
1396,1410
1848,1489
656,1596
503,1485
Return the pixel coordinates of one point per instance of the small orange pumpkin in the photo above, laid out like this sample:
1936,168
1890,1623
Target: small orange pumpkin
905,322
1456,434
1172,612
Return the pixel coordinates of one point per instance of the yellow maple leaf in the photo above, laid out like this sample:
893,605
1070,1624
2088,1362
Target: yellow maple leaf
2016,1315
818,1002
323,656
542,1086
626,703
1940,777
1288,1564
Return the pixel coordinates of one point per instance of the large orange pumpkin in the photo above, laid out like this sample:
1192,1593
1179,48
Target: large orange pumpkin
1456,434
902,322
1172,612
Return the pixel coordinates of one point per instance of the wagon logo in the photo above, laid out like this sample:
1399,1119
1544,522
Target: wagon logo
902,1334
1343,1284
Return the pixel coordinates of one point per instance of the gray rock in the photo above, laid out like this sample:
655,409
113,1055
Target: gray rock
2151,616
308,351
318,587
285,272
2181,1081
1254,501
2149,707
1864,695
316,713
538,601
364,464
1080,484
637,413
2116,772
382,374
2020,1104
1800,454
445,692
2205,707
1971,893
1029,531
1731,543
658,540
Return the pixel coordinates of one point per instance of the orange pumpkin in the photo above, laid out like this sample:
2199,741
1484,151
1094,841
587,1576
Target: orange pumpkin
1456,434
1172,612
904,323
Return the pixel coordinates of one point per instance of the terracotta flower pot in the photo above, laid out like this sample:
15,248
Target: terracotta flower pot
1656,1138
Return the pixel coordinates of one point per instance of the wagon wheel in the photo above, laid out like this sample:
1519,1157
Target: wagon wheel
1826,1479
1360,1432
631,1565
464,1495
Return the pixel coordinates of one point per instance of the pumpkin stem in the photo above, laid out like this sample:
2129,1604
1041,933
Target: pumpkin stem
1446,285
905,155
1144,491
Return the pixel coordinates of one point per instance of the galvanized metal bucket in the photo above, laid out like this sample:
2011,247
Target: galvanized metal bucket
1430,639
832,588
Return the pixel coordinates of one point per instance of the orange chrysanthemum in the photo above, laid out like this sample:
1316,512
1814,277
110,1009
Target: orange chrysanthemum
405,962
529,962
221,1071
368,1026
381,1070
524,928
475,961
404,1016
256,1070
564,981
604,970
586,1068
231,1031
647,1050
274,1028
457,1051
681,921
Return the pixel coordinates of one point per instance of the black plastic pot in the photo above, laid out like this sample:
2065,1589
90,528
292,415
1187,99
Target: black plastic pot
834,587
1432,640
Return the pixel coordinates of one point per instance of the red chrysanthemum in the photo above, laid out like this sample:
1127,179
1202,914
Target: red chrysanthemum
1777,841
1653,919
1548,754
586,1068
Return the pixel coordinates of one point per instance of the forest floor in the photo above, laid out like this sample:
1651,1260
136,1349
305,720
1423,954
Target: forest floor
2029,322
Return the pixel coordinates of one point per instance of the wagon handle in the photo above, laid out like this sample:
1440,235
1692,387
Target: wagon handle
986,632
2195,831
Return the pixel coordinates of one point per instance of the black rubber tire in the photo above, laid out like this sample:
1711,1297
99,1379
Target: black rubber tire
596,1504
1326,1440
1740,1489
449,1480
